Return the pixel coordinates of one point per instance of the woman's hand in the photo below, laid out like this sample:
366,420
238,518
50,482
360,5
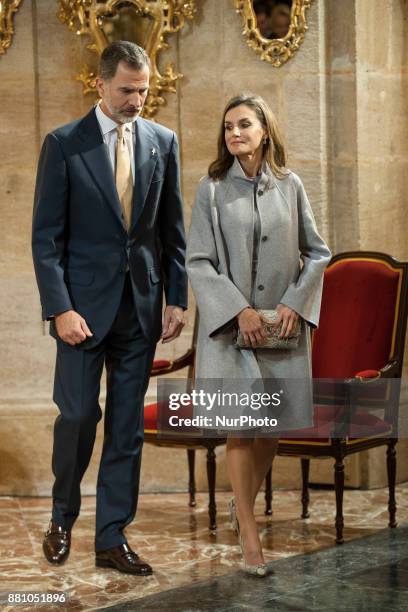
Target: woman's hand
252,327
288,318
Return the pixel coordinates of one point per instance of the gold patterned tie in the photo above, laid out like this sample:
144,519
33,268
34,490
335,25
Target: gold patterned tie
124,179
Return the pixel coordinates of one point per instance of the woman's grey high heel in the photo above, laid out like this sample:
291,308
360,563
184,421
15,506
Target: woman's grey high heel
233,515
255,570
259,570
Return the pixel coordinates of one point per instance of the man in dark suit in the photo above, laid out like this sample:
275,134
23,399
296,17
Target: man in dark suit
108,237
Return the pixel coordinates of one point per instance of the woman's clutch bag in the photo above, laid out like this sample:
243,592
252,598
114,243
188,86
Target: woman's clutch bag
273,341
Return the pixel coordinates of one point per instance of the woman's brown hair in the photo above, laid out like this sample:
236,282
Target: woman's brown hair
273,150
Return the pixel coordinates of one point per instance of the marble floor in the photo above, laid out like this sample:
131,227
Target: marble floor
185,555
366,575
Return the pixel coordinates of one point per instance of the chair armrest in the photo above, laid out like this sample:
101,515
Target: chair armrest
388,392
368,375
161,367
388,371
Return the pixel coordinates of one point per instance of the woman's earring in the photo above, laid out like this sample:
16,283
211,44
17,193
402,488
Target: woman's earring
265,140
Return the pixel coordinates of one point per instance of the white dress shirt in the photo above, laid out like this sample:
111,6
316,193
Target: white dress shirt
110,137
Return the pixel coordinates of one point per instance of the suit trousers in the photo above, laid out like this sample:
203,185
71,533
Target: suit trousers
128,358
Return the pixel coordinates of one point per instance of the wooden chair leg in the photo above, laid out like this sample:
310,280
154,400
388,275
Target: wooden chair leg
211,473
268,493
305,464
391,471
191,477
339,489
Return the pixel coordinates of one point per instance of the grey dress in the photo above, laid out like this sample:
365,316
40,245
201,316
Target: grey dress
230,223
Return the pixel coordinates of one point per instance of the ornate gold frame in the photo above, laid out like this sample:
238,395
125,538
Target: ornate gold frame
7,10
280,50
86,16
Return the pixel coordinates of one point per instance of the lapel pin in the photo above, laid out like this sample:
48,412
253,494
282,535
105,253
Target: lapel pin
152,152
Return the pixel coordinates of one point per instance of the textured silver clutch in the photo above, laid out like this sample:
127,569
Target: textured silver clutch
273,342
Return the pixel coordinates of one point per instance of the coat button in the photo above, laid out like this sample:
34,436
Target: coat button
260,192
264,238
261,287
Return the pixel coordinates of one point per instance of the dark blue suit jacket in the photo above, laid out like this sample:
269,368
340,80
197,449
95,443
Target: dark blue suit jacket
81,249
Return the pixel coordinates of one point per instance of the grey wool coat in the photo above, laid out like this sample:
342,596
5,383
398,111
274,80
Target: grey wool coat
292,257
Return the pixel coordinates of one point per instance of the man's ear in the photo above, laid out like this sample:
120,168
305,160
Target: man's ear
100,86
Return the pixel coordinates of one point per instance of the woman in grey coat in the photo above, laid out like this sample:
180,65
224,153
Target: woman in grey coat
254,244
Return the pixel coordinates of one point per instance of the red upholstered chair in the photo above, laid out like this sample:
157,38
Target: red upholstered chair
191,444
360,337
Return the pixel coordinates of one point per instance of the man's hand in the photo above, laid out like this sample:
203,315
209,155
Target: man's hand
252,327
173,323
288,317
71,327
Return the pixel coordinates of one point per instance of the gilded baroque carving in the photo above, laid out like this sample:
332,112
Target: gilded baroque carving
7,10
100,20
277,51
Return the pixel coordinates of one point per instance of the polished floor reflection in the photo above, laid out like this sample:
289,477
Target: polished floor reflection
175,540
365,575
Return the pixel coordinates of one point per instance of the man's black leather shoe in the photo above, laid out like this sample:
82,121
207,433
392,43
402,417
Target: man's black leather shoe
56,544
123,559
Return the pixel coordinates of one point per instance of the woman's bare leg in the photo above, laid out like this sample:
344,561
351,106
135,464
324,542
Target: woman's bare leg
241,471
264,451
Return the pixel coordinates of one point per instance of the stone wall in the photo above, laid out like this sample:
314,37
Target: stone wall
342,105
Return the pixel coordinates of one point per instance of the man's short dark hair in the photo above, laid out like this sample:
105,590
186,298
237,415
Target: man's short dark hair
121,50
